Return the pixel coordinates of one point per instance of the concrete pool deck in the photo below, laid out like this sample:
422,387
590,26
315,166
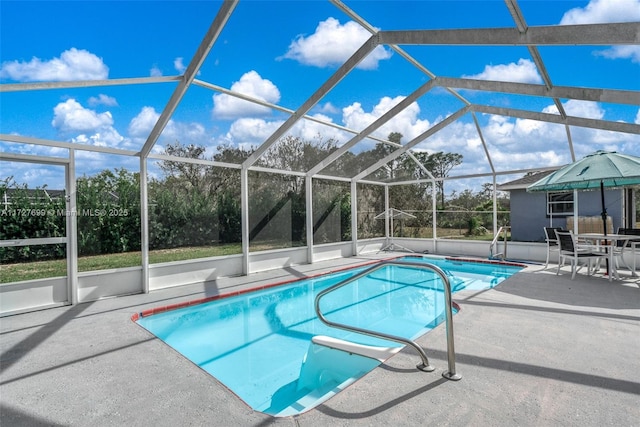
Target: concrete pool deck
538,349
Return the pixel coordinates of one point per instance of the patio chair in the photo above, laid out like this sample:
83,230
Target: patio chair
634,245
552,243
570,250
623,245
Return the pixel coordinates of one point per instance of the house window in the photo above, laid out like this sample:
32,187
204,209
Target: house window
559,204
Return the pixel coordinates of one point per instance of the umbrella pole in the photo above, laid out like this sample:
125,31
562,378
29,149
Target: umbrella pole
604,224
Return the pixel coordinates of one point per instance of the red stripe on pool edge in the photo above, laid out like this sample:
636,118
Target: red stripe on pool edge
151,311
156,310
485,261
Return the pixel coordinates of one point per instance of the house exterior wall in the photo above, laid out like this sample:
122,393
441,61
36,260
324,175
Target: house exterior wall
529,212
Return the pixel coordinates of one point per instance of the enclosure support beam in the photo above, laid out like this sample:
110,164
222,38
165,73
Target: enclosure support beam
570,141
494,194
61,144
72,229
556,118
309,217
386,216
19,87
434,208
354,218
614,96
619,33
244,218
144,224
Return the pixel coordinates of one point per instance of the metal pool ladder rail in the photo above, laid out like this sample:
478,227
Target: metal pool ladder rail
424,366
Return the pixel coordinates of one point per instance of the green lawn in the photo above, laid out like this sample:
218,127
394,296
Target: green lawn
56,268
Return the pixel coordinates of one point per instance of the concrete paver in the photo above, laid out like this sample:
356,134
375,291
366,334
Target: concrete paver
538,349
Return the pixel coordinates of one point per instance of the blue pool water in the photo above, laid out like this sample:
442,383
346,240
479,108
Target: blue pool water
465,274
259,345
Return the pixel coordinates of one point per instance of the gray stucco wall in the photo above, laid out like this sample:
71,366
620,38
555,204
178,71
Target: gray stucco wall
529,212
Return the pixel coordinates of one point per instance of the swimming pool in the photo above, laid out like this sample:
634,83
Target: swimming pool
260,344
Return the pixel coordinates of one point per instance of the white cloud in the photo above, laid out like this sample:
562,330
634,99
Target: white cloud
103,99
91,163
251,131
332,44
637,120
187,133
250,84
603,11
141,125
524,71
310,131
86,126
499,130
327,108
155,71
459,137
621,52
73,64
407,122
70,116
521,143
578,108
105,137
178,65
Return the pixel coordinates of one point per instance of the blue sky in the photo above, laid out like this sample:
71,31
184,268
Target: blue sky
281,52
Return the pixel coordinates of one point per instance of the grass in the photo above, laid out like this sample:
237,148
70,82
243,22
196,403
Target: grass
182,254
32,270
56,268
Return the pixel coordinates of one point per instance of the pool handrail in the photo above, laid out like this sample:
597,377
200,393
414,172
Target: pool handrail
424,366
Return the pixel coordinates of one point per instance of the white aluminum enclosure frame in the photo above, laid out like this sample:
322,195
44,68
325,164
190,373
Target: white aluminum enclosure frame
519,35
71,232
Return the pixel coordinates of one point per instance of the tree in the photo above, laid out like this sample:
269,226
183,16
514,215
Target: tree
190,174
440,164
382,150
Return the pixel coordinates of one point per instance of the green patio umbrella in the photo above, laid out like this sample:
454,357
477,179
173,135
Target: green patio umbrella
601,169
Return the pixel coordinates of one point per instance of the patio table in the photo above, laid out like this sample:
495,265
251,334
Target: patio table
630,241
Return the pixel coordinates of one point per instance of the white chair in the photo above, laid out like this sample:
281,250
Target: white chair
619,248
626,246
570,250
